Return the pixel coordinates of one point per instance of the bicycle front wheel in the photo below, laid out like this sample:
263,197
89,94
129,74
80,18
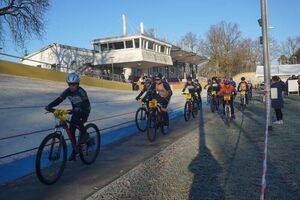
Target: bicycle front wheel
152,126
141,119
187,113
89,151
195,108
51,158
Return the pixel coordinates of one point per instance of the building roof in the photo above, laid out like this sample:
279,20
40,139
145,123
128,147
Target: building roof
186,57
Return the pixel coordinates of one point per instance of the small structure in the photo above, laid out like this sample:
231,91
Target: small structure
283,71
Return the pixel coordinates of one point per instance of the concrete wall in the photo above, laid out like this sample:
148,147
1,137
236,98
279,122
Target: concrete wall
45,74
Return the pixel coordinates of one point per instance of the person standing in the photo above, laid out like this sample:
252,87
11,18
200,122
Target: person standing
276,99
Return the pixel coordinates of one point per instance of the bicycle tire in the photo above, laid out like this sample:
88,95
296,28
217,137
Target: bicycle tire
152,126
187,113
38,160
83,149
228,115
162,127
195,108
137,115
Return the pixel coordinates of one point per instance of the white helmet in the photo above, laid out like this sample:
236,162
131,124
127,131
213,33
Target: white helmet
73,78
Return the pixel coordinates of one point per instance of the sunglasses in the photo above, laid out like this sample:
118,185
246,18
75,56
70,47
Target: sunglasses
72,84
157,79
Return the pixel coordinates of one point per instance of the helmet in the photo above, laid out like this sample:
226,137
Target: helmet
227,82
145,75
209,81
189,78
73,78
158,75
243,78
196,80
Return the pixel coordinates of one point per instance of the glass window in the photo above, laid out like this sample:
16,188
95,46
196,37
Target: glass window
97,47
150,45
137,43
104,47
119,45
162,49
111,46
129,44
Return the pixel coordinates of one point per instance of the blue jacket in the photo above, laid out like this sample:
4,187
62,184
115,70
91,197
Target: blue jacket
277,103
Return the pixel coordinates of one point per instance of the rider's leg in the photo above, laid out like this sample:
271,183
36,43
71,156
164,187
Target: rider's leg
79,119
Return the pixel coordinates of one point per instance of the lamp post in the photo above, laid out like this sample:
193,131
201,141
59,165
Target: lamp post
112,67
263,22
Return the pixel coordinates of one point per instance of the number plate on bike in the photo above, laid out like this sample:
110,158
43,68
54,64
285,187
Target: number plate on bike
227,98
153,103
243,92
188,95
213,92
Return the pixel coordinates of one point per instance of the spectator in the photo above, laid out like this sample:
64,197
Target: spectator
276,99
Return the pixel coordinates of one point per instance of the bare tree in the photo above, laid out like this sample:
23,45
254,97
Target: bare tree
189,42
151,32
22,19
290,46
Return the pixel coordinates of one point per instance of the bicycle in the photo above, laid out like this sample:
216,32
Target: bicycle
141,117
243,100
214,104
226,99
155,120
190,107
53,148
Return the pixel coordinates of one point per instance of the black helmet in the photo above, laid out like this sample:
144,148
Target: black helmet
243,78
189,78
158,75
196,80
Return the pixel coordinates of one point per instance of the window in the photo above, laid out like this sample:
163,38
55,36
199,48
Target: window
119,45
116,45
97,47
162,49
104,47
137,43
150,45
129,44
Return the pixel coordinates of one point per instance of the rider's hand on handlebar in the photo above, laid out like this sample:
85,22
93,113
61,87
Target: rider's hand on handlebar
137,98
47,108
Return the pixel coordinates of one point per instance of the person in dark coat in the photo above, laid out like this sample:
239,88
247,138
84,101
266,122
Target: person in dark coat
276,98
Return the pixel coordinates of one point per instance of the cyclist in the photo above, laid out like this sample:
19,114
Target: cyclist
233,83
190,86
162,92
228,89
215,86
250,87
146,82
198,89
208,86
80,108
243,86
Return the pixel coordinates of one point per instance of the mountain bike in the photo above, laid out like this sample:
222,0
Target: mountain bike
243,100
141,117
52,153
155,120
227,99
214,103
190,107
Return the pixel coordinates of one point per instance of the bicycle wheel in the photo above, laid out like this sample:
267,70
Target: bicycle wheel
51,158
141,119
152,126
89,151
212,105
164,129
243,103
228,114
187,113
195,108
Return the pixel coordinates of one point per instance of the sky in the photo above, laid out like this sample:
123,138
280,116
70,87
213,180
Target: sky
76,23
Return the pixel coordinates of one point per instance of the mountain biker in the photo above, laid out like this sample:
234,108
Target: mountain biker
232,82
147,82
198,88
215,87
228,89
250,87
80,108
189,85
162,92
243,86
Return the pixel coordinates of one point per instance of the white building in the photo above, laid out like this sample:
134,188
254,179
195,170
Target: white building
61,57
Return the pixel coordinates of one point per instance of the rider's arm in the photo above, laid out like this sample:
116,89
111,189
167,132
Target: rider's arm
168,88
185,85
238,88
58,100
